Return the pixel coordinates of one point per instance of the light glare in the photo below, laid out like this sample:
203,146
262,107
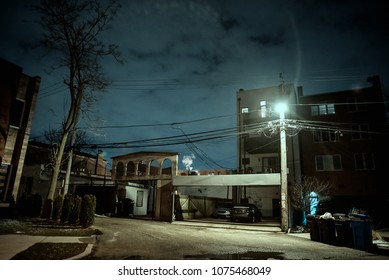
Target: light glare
281,108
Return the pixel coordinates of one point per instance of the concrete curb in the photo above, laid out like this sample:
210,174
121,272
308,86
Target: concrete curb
87,251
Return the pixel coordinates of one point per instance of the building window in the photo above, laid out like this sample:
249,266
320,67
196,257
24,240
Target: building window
355,104
245,110
130,168
263,109
270,165
328,163
325,136
139,198
364,161
322,109
360,131
120,169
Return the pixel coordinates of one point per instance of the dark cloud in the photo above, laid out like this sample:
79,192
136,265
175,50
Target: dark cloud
270,39
228,24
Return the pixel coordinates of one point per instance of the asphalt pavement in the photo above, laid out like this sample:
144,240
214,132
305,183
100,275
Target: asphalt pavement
12,244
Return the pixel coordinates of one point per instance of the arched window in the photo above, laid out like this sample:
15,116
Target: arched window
167,167
119,169
142,168
154,167
130,168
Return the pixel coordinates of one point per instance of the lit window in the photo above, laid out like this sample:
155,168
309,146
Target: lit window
263,109
245,110
139,198
328,163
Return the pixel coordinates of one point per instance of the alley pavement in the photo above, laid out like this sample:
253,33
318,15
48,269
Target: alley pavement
12,244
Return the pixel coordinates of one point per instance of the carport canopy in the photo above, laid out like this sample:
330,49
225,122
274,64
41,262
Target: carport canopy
271,179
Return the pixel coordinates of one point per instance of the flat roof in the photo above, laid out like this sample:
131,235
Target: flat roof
268,179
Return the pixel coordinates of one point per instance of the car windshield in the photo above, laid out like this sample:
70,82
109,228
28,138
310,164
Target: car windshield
243,206
226,205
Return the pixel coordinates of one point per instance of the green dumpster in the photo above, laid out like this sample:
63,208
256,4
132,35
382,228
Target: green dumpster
313,227
326,231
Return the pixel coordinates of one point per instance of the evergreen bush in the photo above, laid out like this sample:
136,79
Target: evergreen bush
88,210
67,207
74,215
57,207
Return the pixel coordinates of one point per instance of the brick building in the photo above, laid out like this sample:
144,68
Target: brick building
18,93
344,140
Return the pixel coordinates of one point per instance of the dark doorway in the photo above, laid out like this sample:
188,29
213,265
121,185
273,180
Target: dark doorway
276,208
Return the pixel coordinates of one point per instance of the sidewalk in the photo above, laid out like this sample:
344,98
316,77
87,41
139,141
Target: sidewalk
12,244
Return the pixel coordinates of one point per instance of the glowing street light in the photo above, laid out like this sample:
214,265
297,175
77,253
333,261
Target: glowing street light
281,108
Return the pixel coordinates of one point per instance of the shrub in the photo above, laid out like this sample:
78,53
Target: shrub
88,210
66,207
57,207
74,215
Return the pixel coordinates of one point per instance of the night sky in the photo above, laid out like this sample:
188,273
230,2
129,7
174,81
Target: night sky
185,61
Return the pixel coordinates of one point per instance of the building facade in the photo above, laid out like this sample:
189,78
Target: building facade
337,137
86,170
18,93
344,140
153,171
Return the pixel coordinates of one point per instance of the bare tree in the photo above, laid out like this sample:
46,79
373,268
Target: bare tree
71,29
53,137
300,192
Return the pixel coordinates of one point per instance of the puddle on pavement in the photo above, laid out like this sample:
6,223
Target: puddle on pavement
133,258
251,255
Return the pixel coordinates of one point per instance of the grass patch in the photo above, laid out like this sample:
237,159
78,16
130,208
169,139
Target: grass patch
51,251
44,228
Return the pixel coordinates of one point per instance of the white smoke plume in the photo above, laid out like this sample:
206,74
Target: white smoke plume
188,161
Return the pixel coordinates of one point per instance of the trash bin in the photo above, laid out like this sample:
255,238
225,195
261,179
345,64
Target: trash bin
326,230
343,233
362,234
313,227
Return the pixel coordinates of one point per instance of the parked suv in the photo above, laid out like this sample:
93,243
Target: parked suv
245,212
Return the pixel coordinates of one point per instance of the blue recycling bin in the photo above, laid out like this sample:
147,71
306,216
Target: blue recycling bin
362,234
